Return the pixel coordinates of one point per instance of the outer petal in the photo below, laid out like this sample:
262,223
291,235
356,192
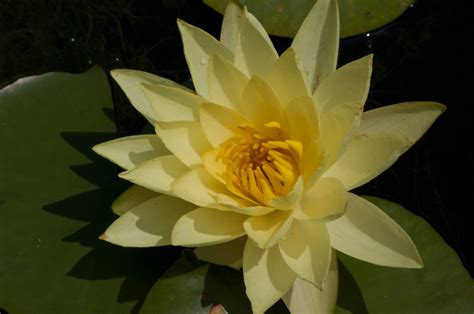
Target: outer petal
130,198
130,81
367,156
267,277
268,229
317,41
231,25
348,85
171,103
185,140
306,249
410,120
219,123
148,224
227,254
367,233
325,200
198,186
207,226
198,47
130,151
261,104
304,297
157,174
226,83
287,78
254,53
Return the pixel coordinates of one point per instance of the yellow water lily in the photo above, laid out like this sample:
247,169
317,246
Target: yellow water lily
254,167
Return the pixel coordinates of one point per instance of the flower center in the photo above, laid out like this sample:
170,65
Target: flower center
260,166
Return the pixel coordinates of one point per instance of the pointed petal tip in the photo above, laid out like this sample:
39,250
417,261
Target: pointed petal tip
103,237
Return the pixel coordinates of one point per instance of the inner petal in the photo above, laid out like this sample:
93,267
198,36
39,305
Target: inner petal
260,165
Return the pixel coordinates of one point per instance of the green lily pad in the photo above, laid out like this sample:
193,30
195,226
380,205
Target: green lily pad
442,286
284,17
55,197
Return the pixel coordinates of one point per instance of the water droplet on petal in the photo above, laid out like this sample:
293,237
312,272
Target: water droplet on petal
204,60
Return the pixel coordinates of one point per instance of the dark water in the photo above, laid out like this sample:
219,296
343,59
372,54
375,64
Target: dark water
424,55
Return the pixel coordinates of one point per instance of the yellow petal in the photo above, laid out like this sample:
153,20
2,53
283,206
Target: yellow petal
130,81
317,41
303,120
148,224
268,229
287,78
227,254
219,123
325,200
130,198
226,83
367,233
291,199
306,249
198,186
266,276
207,226
130,151
348,85
304,297
198,47
185,140
254,53
367,156
338,126
261,104
242,206
157,174
231,25
171,103
313,162
410,120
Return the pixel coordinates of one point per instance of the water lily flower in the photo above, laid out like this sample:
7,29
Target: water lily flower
254,167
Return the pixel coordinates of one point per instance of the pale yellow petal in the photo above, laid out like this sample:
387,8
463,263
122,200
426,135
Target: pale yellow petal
267,230
130,82
410,119
171,103
325,200
198,186
365,232
287,78
304,297
261,104
313,162
231,25
156,174
185,139
303,120
220,124
198,47
338,127
207,226
239,205
130,151
226,83
148,224
348,85
130,198
367,156
317,41
306,249
227,254
254,53
267,277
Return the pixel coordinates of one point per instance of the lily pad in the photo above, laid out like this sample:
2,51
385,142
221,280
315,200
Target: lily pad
442,286
284,17
55,197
